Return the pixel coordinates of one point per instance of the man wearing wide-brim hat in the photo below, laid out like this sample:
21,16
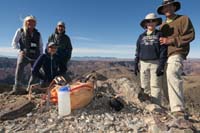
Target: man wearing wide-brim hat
151,56
178,32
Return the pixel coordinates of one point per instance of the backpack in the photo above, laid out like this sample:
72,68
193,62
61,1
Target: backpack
81,94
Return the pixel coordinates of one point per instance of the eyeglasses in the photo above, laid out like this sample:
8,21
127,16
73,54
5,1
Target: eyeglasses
151,20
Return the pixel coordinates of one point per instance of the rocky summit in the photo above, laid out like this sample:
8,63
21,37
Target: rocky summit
131,111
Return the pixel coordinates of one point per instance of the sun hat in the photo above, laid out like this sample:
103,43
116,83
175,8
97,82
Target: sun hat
30,17
150,16
61,23
169,2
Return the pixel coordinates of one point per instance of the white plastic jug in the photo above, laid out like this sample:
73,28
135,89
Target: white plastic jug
64,104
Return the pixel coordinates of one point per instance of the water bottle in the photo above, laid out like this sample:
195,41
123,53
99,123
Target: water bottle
64,104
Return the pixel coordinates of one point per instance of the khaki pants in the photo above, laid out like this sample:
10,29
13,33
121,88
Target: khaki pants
150,82
174,83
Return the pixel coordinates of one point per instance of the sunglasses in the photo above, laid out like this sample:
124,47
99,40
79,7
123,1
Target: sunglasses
52,47
151,21
60,26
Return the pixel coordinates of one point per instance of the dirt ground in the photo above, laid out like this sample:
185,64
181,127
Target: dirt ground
192,93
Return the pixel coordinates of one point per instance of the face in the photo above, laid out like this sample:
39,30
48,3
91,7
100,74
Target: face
52,50
169,10
31,24
60,28
151,24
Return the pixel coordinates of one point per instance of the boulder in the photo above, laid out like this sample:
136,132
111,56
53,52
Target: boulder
20,107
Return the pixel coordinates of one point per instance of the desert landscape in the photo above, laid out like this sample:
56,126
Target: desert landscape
113,76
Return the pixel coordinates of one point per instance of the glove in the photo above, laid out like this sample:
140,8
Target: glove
160,71
136,69
136,66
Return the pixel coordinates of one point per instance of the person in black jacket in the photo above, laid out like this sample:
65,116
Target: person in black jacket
151,56
47,67
64,46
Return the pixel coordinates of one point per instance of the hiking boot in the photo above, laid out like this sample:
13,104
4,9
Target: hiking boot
142,96
181,114
180,123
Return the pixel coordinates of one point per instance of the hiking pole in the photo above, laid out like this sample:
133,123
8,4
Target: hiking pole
30,59
58,80
49,94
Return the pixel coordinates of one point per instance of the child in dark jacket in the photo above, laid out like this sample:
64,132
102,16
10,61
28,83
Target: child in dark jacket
47,66
151,56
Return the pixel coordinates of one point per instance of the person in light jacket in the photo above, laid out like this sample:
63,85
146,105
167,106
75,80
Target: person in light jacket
29,43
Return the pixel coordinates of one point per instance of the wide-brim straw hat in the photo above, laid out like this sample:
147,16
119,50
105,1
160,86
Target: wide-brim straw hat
169,2
150,16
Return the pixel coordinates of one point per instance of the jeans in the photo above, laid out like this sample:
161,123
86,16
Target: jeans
22,61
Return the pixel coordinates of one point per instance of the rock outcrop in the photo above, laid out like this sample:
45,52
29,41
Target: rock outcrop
136,116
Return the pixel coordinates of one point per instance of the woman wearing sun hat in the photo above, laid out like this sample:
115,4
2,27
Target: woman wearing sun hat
151,56
29,43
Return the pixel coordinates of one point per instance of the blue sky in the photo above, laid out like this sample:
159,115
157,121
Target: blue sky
107,28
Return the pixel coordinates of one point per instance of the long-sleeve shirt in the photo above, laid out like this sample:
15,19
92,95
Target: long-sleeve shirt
64,46
181,32
149,48
15,42
51,66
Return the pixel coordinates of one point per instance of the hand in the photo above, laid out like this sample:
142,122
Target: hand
164,40
160,71
22,53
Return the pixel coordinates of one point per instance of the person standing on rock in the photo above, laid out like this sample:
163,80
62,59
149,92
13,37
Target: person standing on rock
178,32
151,56
64,46
29,43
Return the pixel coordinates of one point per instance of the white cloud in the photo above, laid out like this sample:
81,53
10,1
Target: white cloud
81,38
85,46
8,51
106,50
95,51
120,51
